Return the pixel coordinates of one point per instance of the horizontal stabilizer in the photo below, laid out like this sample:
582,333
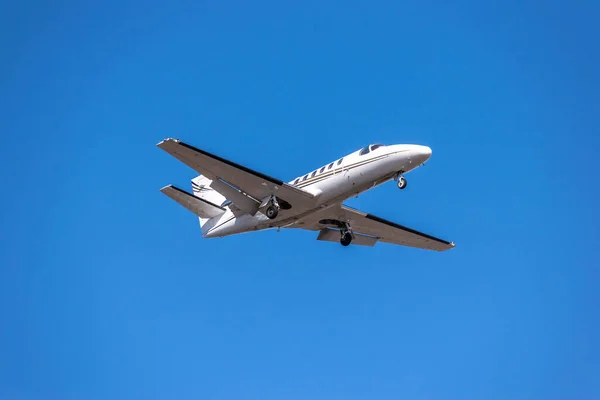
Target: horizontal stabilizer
333,235
200,207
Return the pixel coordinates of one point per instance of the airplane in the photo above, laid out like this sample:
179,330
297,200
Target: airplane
229,198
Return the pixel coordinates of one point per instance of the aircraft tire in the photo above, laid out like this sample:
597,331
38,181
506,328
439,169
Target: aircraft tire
272,212
402,183
346,239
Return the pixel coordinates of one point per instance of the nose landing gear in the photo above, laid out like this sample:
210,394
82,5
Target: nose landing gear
402,182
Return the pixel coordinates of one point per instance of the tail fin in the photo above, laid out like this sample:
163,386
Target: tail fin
201,188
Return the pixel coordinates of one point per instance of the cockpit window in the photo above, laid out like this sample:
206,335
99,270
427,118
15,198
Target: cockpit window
374,146
364,151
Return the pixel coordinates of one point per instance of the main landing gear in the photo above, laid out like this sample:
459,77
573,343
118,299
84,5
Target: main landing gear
346,234
273,209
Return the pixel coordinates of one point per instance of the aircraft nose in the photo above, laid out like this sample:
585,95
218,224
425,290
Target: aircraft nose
420,154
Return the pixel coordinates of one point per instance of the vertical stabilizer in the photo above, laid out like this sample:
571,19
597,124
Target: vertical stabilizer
201,188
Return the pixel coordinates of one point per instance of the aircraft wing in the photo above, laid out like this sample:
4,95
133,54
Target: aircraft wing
369,229
251,188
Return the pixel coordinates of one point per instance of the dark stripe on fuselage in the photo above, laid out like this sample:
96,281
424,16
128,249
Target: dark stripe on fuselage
328,174
404,228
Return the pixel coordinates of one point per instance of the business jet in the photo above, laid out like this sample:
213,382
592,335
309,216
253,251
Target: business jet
230,198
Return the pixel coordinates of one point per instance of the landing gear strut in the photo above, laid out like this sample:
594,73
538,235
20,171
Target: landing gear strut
273,209
346,233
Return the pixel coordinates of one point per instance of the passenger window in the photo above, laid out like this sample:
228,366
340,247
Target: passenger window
296,181
340,161
313,174
321,170
305,176
330,165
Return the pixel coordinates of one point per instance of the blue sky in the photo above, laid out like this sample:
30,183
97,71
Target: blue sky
108,291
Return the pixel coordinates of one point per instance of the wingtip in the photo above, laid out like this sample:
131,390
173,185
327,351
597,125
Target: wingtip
167,140
165,188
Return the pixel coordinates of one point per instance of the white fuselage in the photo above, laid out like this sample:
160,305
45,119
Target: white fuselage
331,184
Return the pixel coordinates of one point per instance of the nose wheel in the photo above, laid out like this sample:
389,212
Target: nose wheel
402,182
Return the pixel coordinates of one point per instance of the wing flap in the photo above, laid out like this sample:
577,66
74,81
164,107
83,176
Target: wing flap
332,235
243,202
198,206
